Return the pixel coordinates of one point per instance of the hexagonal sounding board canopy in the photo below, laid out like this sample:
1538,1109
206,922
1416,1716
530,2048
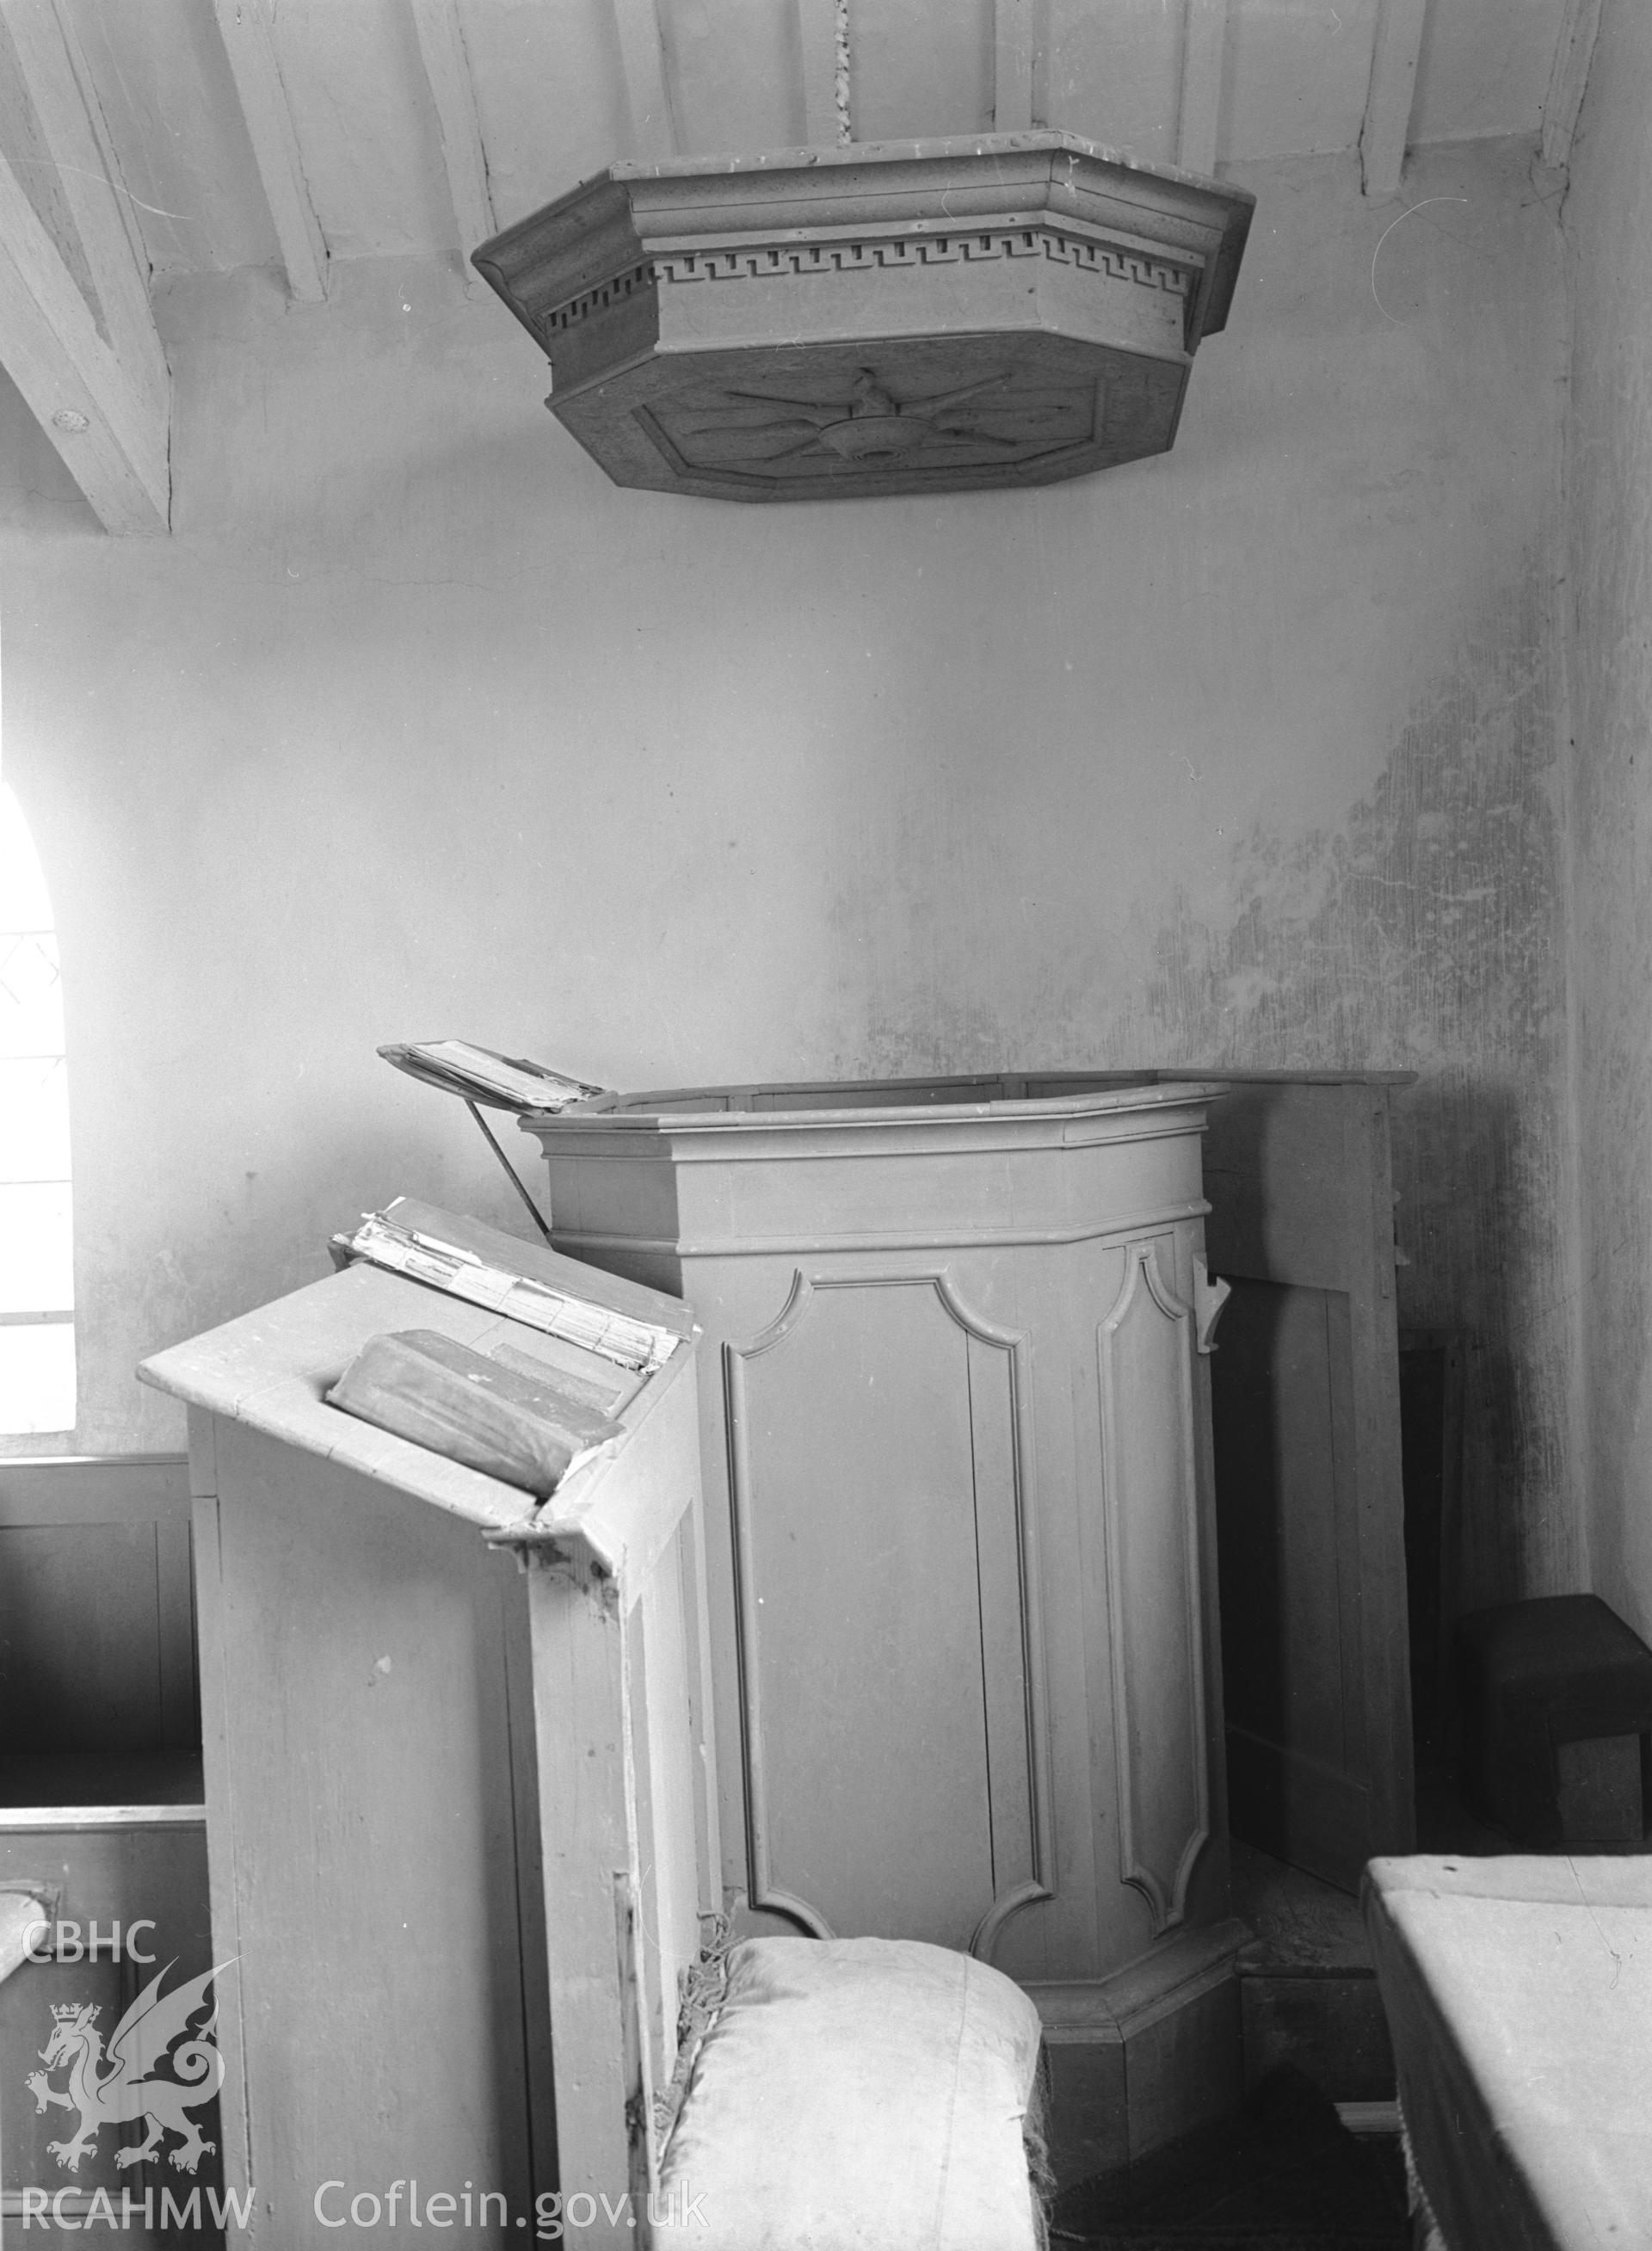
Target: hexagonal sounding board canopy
891,317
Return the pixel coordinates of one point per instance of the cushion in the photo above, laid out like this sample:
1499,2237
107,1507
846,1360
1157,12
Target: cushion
858,2094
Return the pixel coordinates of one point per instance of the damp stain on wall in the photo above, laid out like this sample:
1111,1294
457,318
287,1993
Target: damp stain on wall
1426,934
1423,933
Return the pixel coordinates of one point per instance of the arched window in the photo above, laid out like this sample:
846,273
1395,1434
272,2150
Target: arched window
36,1266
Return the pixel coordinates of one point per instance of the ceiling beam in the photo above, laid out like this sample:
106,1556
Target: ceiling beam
1012,65
250,44
1574,52
73,132
112,437
642,59
452,92
1198,112
77,334
1395,52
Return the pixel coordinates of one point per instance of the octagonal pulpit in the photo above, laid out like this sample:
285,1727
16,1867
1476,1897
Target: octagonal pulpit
888,317
955,1447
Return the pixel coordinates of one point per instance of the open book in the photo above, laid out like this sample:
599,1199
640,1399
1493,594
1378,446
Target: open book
390,1239
481,1075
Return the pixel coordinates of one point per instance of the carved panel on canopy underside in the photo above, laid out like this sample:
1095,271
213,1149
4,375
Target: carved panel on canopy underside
862,425
901,417
889,1653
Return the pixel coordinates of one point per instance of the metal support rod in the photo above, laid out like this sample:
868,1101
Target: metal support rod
511,1172
840,75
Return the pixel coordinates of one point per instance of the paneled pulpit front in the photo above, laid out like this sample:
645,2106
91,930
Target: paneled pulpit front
955,1430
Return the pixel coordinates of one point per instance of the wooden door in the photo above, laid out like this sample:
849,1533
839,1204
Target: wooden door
1310,1507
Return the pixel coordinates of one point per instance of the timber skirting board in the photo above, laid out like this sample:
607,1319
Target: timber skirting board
1144,2055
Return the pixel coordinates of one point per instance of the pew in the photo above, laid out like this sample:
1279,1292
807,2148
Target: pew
1518,1990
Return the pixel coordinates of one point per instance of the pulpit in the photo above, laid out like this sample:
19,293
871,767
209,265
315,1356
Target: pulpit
955,1434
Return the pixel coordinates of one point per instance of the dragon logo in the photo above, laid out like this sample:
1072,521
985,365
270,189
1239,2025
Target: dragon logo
125,2087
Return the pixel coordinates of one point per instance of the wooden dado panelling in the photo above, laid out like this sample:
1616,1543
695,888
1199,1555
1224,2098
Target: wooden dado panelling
1147,1347
887,1612
109,1869
1290,1561
96,1628
1310,1500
